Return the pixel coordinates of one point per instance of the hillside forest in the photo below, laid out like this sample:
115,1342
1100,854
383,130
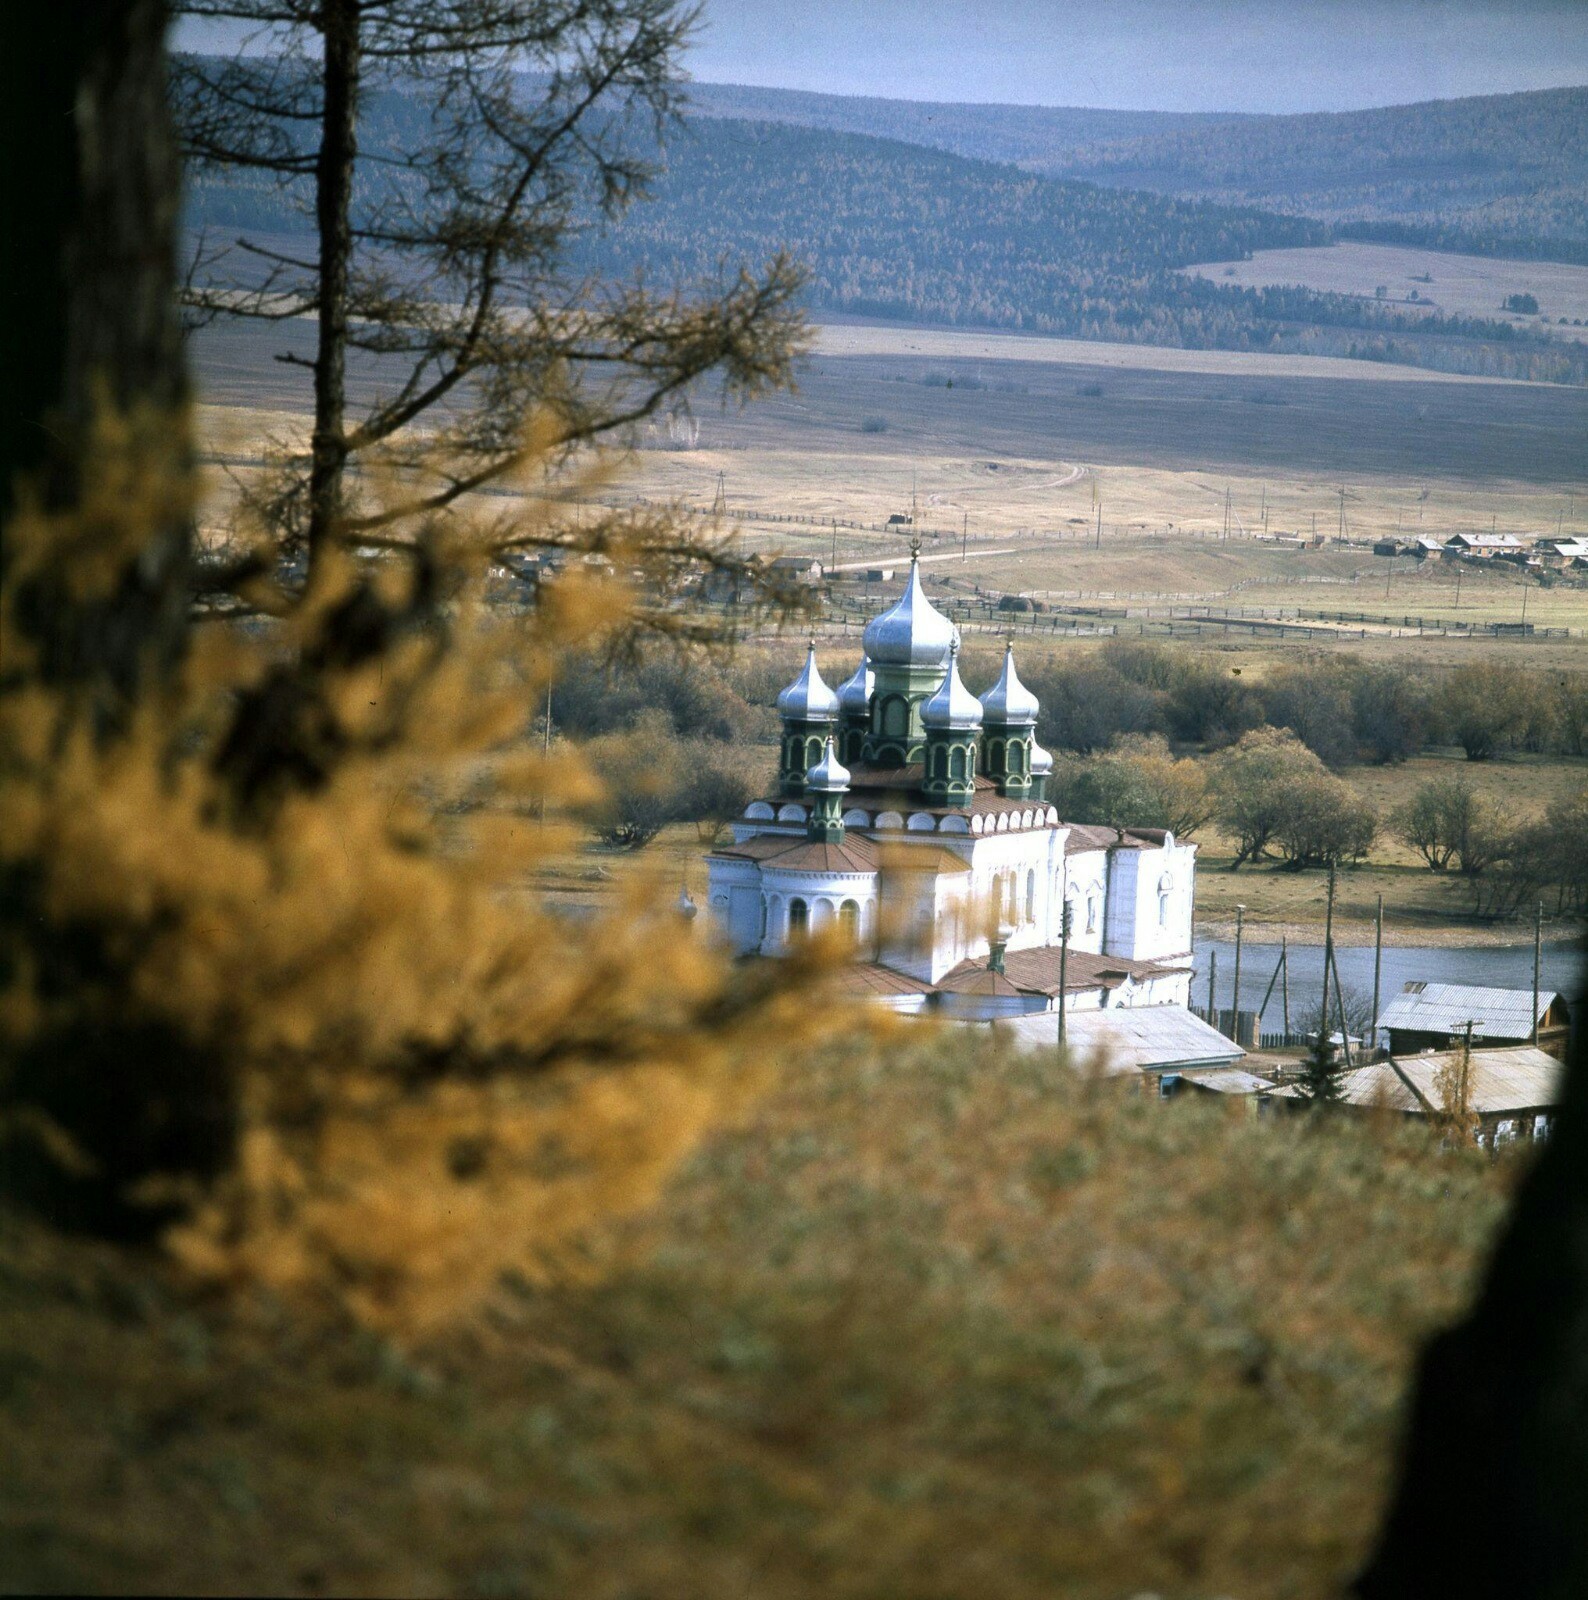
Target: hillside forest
895,230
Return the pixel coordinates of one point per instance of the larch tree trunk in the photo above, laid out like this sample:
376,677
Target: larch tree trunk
91,319
333,199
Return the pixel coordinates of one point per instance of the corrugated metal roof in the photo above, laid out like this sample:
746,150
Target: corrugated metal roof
1521,1078
1130,1038
1228,1080
1449,1007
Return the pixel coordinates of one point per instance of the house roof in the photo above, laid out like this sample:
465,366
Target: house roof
1520,1078
1037,971
977,978
1227,1080
855,854
865,978
1448,1007
1131,1038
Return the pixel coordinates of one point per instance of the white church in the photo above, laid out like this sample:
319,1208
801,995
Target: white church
914,815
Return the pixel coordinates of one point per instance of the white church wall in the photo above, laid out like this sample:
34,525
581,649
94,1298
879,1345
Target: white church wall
1150,902
1085,875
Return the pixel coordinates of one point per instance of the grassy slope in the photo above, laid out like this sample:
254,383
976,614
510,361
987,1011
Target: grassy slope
927,1326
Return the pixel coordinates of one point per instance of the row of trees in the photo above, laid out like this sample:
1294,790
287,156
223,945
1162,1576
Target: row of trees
1268,793
1344,710
1511,861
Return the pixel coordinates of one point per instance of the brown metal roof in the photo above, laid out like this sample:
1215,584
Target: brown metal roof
1037,971
855,854
871,977
977,978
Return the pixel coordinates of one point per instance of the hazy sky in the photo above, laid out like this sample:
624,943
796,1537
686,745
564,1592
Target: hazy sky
1171,55
1160,55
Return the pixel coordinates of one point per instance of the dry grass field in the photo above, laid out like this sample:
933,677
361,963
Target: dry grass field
1444,282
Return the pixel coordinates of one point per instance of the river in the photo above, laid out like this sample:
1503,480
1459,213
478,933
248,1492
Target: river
1503,966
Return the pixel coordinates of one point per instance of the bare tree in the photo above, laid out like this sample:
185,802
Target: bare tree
441,248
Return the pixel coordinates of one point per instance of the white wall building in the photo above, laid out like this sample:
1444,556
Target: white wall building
915,815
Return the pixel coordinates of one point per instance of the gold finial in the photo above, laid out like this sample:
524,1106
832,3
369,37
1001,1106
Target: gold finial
915,547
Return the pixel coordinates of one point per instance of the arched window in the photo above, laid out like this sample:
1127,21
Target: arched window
799,920
1163,910
813,752
1031,895
1017,757
849,921
895,716
956,762
1091,913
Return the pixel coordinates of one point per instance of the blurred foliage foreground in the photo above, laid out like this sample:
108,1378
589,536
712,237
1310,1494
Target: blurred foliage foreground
936,1321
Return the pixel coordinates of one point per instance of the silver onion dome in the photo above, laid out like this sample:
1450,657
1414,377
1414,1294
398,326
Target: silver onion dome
829,775
1009,700
912,632
854,693
1041,761
808,699
952,705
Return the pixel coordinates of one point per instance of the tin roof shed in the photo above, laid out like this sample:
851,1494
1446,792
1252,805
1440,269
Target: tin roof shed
1447,1008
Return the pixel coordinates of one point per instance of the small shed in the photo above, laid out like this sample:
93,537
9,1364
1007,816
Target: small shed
1424,549
798,569
1432,1016
1386,547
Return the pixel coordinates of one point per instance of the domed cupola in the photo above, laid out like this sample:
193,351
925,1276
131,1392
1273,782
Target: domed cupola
1009,716
808,699
854,710
826,784
952,719
808,709
1041,771
912,632
908,646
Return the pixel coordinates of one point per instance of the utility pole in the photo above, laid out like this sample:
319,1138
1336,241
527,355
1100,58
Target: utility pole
1378,958
1342,512
1284,983
835,544
1235,1000
1265,508
1064,963
719,506
1328,950
1524,599
1097,543
964,533
1538,951
1458,586
545,750
1213,984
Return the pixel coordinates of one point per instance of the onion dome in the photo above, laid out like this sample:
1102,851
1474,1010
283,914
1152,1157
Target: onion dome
912,632
829,775
808,699
1041,761
1009,700
685,904
854,693
952,705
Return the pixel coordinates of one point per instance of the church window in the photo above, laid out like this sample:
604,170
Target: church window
813,753
1031,896
799,920
1163,910
1091,913
895,716
849,921
956,763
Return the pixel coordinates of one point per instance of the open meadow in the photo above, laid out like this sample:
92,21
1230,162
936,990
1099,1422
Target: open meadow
1409,278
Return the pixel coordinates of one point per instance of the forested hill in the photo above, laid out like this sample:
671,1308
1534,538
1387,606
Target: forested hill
893,229
1039,138
1497,174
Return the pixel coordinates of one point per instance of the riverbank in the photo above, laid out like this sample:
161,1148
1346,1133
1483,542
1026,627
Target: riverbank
1354,931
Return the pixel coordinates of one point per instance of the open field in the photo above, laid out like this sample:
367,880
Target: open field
1031,454
1460,286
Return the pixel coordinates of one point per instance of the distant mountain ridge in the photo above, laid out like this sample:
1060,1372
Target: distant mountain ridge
1494,174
